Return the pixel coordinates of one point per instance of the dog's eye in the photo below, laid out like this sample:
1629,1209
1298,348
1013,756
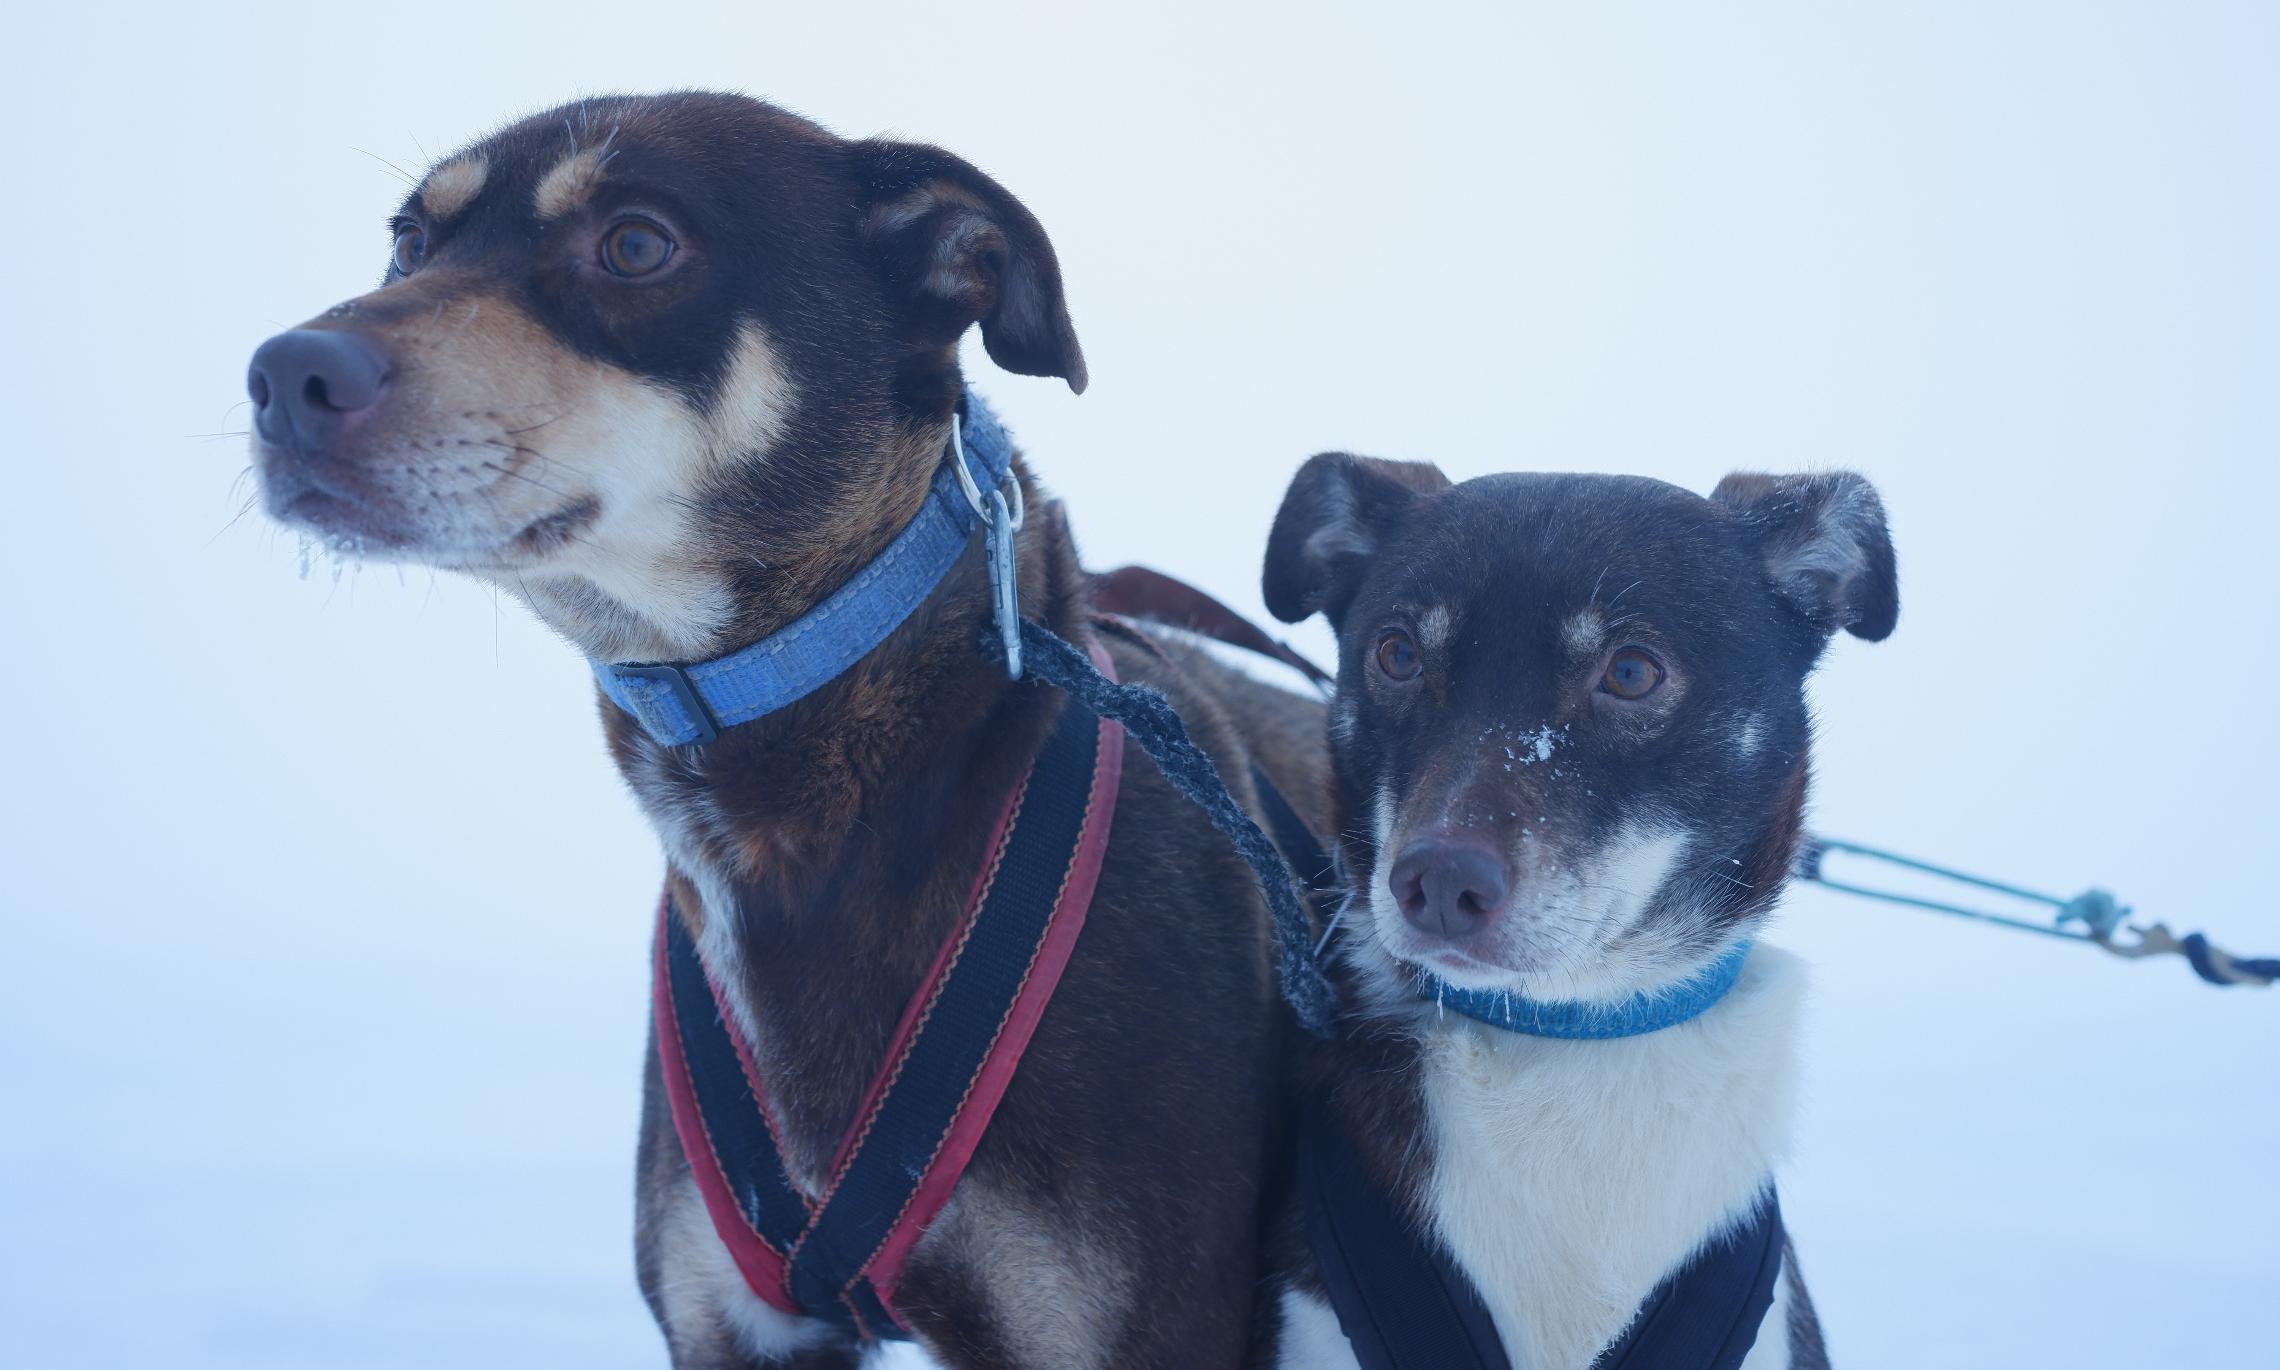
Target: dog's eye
635,247
410,249
1397,656
1632,673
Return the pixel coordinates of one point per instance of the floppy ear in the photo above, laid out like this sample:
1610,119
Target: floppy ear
959,250
1825,546
1337,512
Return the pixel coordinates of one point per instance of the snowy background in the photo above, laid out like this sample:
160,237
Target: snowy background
323,916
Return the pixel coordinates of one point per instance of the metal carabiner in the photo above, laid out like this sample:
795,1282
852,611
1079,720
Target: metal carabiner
965,477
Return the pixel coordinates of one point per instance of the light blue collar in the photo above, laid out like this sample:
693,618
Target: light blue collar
679,704
1641,1013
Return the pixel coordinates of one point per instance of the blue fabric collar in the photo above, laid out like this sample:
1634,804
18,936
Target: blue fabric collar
1641,1013
679,704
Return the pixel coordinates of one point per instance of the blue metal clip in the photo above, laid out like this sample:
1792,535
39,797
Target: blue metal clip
2097,910
1002,521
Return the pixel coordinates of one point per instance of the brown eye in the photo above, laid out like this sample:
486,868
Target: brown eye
635,247
1397,656
410,249
1632,673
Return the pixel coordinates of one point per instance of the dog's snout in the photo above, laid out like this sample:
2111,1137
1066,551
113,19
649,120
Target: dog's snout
307,383
1450,888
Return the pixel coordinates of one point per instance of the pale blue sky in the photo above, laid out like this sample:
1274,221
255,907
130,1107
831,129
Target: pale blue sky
322,914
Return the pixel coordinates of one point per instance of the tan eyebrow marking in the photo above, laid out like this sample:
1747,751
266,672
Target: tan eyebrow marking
454,185
566,185
1433,628
1583,634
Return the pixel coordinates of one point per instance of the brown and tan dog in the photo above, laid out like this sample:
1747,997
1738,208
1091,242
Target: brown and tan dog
669,369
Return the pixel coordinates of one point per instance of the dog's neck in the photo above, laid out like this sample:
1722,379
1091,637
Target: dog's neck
873,725
773,829
1569,1177
714,574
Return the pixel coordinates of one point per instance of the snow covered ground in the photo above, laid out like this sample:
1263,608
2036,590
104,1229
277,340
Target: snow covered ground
322,915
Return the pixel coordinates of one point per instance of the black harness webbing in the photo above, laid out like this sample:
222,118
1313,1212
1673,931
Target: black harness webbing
1707,1315
1315,868
726,1097
1403,1304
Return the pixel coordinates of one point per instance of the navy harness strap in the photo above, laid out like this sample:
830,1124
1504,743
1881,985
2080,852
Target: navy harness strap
1403,1304
960,1027
705,1073
1708,1314
1300,848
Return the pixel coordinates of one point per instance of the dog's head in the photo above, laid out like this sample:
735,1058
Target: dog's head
654,362
1570,730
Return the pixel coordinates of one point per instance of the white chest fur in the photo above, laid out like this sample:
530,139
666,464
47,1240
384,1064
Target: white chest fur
1570,1177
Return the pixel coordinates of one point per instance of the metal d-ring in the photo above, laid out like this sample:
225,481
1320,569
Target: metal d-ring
1020,502
965,477
973,490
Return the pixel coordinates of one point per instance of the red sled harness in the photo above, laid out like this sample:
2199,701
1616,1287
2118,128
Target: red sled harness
836,1256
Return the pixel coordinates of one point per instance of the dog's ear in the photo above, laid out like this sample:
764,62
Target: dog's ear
1825,546
1337,512
957,250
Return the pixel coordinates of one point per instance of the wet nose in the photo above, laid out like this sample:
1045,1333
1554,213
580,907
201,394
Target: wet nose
307,383
1450,888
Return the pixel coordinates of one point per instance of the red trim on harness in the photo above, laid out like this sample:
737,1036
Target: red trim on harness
751,1069
922,1002
989,1086
763,1267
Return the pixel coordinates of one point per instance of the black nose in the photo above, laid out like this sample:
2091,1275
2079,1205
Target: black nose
307,382
1450,888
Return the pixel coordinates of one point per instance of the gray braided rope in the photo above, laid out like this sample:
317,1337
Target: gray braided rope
1151,721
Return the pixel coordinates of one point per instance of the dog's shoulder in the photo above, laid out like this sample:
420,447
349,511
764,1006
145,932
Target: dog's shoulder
1240,719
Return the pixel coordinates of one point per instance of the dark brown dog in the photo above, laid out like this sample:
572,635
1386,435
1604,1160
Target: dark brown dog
1571,745
670,369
